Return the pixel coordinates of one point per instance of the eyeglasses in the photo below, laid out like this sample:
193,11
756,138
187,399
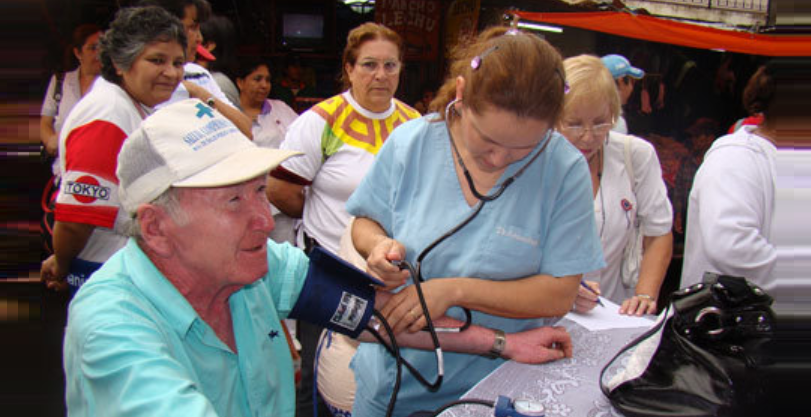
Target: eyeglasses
371,67
578,131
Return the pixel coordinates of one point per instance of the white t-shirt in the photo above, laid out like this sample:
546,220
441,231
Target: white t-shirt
650,204
730,211
200,76
88,156
339,139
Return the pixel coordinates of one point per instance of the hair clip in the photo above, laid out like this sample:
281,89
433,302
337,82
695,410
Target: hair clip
476,62
566,87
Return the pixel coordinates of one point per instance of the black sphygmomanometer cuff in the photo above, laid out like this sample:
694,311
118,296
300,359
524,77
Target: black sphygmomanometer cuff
336,295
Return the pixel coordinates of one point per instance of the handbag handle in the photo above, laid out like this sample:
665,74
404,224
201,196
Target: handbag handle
634,343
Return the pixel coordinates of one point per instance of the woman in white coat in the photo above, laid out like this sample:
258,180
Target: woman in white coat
731,206
628,192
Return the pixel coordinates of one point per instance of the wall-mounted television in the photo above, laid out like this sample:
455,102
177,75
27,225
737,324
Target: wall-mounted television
302,31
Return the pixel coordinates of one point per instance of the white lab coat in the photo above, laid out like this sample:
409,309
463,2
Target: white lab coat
731,210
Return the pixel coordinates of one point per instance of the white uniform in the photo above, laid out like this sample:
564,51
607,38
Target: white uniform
730,211
621,126
622,206
272,123
71,93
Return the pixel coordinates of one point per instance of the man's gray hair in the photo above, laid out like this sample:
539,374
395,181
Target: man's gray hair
169,201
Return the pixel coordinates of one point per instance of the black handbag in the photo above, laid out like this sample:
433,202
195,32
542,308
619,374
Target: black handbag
703,357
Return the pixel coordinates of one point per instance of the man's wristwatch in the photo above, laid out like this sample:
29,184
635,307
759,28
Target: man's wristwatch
210,101
498,344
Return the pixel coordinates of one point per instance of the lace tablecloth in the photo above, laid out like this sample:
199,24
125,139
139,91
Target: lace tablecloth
566,388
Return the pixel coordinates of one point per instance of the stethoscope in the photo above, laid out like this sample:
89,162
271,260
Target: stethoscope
416,273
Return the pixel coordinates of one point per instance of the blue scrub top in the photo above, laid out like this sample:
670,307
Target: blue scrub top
542,224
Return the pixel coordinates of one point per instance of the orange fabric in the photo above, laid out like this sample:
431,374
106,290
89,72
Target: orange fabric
666,31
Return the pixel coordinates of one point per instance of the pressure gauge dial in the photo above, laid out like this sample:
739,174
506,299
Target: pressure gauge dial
529,408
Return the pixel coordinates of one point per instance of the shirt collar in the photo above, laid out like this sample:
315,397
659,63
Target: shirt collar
266,107
158,290
368,113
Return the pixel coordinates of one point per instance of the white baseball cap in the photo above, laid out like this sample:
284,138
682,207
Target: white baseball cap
188,144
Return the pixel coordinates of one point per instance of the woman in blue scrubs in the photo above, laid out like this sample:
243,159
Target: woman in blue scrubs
490,161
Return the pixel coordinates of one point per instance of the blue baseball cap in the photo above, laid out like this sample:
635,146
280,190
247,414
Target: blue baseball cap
621,67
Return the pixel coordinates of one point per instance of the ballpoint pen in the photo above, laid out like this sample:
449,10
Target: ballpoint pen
591,290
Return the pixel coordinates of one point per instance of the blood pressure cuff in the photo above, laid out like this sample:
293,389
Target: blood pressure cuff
336,295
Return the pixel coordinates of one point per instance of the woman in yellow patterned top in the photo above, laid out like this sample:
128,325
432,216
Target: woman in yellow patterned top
339,138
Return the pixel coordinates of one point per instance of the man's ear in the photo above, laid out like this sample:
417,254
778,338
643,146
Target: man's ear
154,223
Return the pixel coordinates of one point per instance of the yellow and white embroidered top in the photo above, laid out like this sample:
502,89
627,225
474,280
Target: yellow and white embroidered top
339,139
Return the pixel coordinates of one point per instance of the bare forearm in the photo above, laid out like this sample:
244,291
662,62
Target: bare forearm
537,345
238,118
47,134
69,239
366,234
655,261
531,297
475,339
287,197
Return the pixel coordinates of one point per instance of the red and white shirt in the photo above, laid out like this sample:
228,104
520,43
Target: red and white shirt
88,156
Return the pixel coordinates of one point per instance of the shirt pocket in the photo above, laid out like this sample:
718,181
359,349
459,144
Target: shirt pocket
512,252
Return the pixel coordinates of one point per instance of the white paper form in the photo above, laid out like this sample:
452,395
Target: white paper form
608,317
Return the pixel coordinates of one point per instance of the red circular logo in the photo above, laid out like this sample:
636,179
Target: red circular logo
82,189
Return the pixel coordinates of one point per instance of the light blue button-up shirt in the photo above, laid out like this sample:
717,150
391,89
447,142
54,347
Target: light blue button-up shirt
135,347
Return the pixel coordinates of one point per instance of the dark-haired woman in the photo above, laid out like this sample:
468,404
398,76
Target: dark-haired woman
74,84
142,57
270,117
270,120
492,156
731,206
